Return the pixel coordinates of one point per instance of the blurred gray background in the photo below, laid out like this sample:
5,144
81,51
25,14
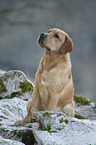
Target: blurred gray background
22,21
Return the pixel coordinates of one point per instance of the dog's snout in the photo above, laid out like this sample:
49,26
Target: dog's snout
42,35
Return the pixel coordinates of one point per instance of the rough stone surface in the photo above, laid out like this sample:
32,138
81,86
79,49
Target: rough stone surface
42,137
84,108
4,141
10,111
2,72
75,131
15,83
15,89
51,127
51,121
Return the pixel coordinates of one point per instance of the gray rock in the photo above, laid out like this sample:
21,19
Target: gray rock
2,72
51,127
74,131
9,142
61,129
15,83
51,121
10,111
42,137
84,108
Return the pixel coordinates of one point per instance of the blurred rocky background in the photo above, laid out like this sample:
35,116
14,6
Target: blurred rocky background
22,21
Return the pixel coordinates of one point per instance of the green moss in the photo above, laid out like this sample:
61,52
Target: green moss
73,121
26,87
60,114
59,128
19,74
46,114
40,125
2,87
66,121
52,131
43,128
62,120
14,94
81,100
7,76
79,116
48,127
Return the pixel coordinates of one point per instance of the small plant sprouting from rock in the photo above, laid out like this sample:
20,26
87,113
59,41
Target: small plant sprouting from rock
26,87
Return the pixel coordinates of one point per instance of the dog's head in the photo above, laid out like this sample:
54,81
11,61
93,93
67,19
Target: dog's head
56,40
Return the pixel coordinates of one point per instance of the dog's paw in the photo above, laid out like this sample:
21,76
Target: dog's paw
23,121
19,123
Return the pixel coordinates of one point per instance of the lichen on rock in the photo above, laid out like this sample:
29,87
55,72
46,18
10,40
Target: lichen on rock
81,100
2,87
84,108
26,87
79,130
51,121
64,120
10,111
14,83
51,127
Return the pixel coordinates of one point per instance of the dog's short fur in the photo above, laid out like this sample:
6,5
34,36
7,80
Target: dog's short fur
54,88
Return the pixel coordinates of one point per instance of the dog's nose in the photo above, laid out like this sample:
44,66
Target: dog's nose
42,35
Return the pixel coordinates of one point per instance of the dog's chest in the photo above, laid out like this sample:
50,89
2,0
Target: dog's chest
51,81
48,82
57,74
51,77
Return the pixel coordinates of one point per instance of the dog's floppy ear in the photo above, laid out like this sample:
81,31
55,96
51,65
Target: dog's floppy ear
67,46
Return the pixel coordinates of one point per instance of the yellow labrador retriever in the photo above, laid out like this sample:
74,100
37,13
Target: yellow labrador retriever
54,88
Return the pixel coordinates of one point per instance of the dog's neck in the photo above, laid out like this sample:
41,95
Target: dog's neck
52,59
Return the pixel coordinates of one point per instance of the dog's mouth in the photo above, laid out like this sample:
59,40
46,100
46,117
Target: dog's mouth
41,41
48,48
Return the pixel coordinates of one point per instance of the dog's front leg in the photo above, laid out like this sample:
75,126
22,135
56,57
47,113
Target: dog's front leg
52,103
31,108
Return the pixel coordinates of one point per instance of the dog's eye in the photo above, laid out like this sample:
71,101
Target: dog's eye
49,31
56,36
